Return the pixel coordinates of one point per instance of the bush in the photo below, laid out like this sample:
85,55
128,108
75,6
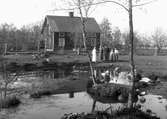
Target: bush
124,113
11,101
133,113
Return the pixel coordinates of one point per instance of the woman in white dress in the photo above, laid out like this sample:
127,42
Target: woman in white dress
94,59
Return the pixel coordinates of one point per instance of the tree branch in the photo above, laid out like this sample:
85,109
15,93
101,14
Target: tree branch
137,5
104,1
112,1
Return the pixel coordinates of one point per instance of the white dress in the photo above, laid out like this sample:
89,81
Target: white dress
111,55
94,55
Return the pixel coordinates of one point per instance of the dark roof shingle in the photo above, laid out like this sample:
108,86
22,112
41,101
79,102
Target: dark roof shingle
71,24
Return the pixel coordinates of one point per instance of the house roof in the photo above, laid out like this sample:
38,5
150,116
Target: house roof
70,24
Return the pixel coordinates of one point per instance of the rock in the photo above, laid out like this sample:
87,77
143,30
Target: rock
148,111
158,80
142,100
142,93
159,98
145,79
138,106
47,59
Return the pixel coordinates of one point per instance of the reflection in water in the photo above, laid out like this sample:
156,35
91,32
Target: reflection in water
55,106
94,105
58,78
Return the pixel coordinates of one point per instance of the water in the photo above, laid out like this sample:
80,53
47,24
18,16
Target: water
71,98
156,104
53,107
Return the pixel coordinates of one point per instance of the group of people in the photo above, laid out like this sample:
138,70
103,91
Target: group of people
109,54
106,54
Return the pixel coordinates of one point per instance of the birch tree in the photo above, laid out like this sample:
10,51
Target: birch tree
84,8
128,6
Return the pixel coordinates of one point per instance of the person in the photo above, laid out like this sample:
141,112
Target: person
94,55
116,54
107,53
78,51
111,55
102,54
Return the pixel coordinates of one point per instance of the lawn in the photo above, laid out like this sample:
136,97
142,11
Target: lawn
148,64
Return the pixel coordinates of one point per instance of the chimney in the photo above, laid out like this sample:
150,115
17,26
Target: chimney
71,14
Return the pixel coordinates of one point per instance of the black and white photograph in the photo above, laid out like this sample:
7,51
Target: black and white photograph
83,59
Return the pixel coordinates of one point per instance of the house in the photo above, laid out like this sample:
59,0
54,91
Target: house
65,33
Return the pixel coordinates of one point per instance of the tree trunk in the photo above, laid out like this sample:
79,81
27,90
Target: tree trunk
84,41
130,101
89,56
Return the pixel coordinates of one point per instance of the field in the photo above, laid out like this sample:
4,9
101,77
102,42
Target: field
147,64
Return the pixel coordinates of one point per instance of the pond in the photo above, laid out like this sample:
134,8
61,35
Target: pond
71,96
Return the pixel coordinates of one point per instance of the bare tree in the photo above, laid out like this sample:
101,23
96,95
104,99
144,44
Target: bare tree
127,5
159,38
127,41
106,37
84,9
116,35
5,79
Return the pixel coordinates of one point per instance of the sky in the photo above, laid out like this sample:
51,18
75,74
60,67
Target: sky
146,18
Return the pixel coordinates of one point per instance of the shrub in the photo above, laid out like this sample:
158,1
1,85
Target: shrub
10,101
133,113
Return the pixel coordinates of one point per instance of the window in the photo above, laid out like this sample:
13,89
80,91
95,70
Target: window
61,42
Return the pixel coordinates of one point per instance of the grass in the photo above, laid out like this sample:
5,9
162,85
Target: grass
148,64
160,89
62,85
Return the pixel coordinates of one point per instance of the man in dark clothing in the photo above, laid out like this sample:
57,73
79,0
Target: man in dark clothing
107,53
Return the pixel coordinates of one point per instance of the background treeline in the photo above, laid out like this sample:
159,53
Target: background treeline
28,38
112,37
24,39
